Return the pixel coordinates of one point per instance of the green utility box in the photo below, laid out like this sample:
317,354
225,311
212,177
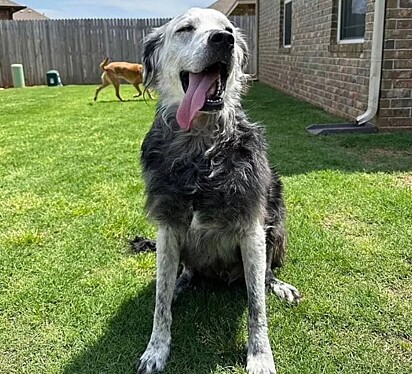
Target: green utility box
17,75
53,78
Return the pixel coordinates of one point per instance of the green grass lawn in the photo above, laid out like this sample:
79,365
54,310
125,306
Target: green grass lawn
75,299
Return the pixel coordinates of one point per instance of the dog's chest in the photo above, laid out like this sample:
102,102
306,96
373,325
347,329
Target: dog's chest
225,182
212,247
224,171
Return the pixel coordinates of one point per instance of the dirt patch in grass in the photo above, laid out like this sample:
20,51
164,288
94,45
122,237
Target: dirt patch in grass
387,152
375,154
405,180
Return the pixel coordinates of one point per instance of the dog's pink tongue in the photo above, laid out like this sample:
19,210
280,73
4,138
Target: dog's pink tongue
195,97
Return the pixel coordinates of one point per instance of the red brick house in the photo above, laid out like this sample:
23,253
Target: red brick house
9,10
333,54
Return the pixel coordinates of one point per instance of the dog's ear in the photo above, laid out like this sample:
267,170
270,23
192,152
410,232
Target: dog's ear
243,50
151,46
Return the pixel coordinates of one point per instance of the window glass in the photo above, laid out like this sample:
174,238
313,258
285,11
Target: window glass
352,20
287,25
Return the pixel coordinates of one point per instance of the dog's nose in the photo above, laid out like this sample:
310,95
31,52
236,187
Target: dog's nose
221,38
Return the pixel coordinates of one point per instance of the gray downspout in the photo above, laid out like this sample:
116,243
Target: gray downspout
376,63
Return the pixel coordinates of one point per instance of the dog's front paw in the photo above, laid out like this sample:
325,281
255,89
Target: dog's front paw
260,364
154,358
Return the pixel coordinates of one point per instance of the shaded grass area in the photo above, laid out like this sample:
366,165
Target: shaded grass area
74,299
296,152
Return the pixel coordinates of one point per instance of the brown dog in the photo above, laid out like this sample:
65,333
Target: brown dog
113,72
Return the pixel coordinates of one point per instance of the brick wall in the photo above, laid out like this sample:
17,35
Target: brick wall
395,110
331,75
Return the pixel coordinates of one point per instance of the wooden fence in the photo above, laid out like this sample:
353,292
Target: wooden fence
76,47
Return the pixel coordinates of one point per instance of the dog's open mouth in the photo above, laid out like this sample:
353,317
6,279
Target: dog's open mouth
203,92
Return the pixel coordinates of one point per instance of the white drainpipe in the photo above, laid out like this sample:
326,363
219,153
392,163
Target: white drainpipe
376,63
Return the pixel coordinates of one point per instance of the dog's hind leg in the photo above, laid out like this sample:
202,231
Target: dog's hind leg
275,252
139,91
183,282
104,84
150,95
281,289
276,244
116,85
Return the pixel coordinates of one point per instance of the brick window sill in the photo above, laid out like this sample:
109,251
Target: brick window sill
355,49
284,50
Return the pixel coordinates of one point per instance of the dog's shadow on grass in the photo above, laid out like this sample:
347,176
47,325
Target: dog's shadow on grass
207,322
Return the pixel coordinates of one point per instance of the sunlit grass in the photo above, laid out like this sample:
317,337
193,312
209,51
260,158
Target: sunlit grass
74,299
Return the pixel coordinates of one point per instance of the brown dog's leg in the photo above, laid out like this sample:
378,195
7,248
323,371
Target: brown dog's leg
104,84
139,91
116,85
148,92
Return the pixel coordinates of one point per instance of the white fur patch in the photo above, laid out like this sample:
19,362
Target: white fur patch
155,357
261,364
285,291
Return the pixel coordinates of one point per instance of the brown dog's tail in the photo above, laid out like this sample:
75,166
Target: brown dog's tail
104,63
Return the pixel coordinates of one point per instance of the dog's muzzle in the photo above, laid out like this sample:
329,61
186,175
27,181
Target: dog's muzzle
204,90
221,45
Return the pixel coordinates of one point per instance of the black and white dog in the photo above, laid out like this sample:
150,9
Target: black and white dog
217,203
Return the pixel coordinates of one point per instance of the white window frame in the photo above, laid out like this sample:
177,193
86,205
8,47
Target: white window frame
348,40
284,25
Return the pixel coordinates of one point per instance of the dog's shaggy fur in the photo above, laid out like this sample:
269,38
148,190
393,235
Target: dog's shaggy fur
210,189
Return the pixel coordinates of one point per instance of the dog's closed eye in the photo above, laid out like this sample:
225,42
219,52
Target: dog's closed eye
229,29
186,28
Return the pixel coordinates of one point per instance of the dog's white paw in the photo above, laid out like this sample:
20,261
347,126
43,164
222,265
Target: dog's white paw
260,364
285,291
155,357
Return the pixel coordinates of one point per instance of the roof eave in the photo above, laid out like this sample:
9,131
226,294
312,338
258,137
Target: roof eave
13,8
